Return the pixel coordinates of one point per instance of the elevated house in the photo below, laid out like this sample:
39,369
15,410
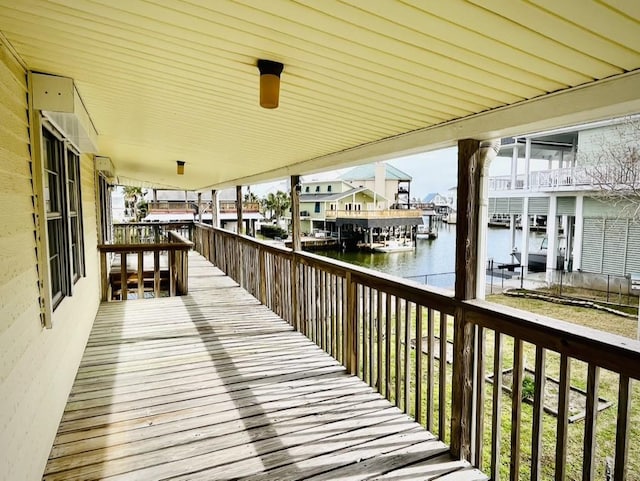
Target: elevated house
275,363
384,179
350,209
176,206
587,234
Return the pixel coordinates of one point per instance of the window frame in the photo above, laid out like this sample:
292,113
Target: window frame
63,242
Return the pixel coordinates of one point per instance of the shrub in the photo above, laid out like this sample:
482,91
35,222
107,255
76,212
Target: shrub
273,231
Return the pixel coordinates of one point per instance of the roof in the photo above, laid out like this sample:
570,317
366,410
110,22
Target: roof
368,172
429,197
362,81
325,197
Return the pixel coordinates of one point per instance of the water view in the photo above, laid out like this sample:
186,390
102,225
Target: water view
434,258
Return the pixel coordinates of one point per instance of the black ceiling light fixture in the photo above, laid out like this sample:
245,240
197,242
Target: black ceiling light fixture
180,166
269,83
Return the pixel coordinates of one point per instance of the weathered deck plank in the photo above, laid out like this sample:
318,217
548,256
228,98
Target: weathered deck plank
214,385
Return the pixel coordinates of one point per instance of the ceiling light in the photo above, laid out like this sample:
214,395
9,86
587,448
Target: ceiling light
269,83
180,165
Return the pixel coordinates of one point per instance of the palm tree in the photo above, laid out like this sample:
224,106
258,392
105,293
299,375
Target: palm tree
134,201
276,204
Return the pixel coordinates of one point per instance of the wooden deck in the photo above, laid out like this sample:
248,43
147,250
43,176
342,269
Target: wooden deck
214,385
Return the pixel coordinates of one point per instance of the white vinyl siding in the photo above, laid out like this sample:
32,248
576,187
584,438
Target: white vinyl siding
37,365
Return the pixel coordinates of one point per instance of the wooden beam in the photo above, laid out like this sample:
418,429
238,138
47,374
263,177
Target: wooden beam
469,171
214,208
296,244
239,209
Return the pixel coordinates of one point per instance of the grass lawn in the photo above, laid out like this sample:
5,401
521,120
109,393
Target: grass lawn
608,389
606,423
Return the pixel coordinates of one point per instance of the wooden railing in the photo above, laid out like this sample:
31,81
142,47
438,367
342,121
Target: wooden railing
149,232
120,280
374,214
376,324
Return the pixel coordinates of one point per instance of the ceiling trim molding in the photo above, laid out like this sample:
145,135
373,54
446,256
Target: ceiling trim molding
612,97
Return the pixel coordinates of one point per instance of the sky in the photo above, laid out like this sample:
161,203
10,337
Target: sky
434,171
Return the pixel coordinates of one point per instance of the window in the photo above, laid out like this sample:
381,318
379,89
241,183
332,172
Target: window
317,207
328,188
317,188
306,189
63,209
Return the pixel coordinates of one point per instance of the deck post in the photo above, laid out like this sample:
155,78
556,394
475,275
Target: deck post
296,246
295,213
200,207
472,158
214,208
239,209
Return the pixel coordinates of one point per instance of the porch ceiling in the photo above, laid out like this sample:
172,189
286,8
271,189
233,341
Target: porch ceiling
176,79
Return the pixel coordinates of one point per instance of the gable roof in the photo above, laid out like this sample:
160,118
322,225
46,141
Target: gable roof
368,172
325,197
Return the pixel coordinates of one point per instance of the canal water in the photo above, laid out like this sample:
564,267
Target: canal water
433,261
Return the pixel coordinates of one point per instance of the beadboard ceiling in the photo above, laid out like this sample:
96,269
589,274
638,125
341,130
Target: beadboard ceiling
363,80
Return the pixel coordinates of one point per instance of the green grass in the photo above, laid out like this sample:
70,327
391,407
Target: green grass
606,423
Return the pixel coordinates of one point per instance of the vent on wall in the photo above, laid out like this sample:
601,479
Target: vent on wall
105,166
59,101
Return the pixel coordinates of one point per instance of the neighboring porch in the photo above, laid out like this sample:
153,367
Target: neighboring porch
214,385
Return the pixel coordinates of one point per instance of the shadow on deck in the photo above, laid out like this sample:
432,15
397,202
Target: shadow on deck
213,385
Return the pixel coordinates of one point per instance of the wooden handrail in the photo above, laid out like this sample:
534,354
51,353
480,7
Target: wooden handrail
177,249
367,320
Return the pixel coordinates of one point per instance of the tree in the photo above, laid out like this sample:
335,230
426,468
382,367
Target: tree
611,158
250,197
276,204
134,202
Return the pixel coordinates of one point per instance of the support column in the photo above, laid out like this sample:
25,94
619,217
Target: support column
524,257
552,239
471,159
514,165
200,207
577,235
563,242
512,230
155,195
296,243
527,163
214,209
239,209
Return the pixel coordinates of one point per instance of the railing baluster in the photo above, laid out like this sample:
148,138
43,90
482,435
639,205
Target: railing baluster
398,353
563,418
387,351
371,339
431,372
479,401
442,381
156,274
622,429
496,415
516,409
380,338
351,325
538,413
591,411
141,275
357,329
104,271
407,357
419,374
365,333
173,273
123,276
